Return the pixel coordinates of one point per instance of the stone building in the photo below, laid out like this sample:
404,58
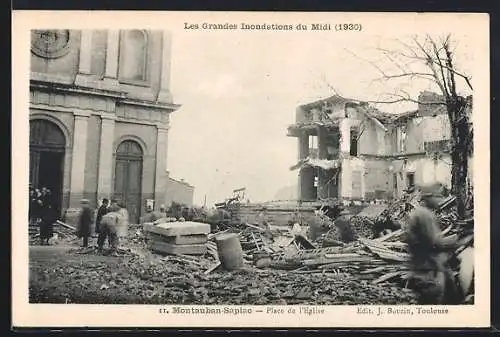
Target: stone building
100,104
349,150
179,191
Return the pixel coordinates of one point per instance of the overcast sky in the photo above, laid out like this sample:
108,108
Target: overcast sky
239,93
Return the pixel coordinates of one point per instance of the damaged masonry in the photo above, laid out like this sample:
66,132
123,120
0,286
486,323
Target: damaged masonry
344,242
351,151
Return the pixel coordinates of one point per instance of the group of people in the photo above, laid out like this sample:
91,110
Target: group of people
152,216
107,221
42,212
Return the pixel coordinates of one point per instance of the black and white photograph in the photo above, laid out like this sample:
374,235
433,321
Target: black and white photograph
242,165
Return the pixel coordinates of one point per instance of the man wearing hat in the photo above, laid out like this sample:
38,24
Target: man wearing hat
432,277
85,222
103,209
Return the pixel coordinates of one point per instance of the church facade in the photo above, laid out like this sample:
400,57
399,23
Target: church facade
100,103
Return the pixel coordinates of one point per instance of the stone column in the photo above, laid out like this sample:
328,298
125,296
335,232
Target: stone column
165,95
85,52
303,145
322,150
322,154
161,165
105,175
79,155
345,136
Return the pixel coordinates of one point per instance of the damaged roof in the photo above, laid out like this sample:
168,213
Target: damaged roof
321,163
321,103
381,118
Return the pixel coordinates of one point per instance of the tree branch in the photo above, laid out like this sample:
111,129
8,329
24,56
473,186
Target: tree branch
449,63
415,56
410,74
436,52
371,62
401,98
430,64
331,87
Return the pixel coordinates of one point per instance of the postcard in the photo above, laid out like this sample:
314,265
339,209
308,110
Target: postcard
250,169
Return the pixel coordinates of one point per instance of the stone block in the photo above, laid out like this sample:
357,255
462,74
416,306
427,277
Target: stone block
178,228
179,240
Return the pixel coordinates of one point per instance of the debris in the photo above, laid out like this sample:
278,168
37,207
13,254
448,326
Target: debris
260,262
211,269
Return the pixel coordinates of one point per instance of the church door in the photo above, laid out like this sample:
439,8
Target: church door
47,147
128,177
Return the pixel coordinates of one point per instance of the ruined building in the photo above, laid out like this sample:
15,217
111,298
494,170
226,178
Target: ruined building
100,105
349,150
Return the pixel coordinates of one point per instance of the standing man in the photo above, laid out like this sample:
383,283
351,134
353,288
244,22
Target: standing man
85,222
100,213
432,276
149,216
163,211
48,217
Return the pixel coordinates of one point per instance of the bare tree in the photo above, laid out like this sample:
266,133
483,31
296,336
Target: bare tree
434,60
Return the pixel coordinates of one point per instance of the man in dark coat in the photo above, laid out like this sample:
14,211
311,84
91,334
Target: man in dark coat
100,213
85,222
47,216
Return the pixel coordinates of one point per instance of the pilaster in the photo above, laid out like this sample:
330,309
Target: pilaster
105,173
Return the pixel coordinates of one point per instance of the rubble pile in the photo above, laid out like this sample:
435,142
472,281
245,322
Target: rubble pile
182,262
355,247
152,279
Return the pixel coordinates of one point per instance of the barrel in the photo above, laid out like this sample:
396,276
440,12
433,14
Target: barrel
230,252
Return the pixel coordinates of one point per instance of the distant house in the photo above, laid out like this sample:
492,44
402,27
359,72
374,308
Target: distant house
350,150
178,191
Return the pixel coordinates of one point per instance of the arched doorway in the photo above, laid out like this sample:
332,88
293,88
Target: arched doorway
47,147
128,177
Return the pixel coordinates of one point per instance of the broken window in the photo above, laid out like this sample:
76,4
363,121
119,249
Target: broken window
401,138
443,145
332,145
410,180
313,146
354,142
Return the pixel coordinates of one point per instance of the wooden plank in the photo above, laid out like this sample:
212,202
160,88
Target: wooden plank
387,277
211,269
374,270
388,236
352,259
59,222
